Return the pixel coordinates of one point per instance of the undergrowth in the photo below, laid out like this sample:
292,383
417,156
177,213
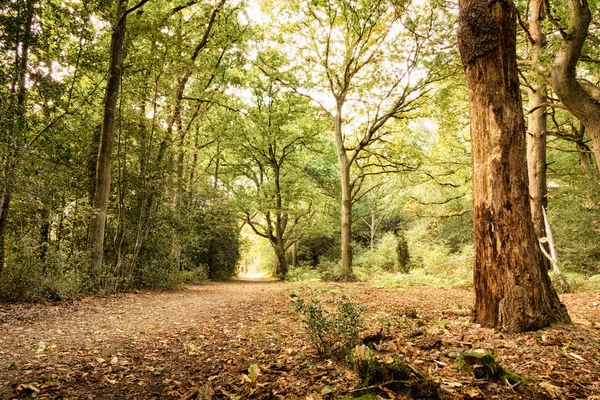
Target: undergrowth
333,325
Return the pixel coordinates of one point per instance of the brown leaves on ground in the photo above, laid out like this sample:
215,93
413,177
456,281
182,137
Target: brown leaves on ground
240,340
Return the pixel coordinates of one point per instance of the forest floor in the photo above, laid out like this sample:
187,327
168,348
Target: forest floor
201,341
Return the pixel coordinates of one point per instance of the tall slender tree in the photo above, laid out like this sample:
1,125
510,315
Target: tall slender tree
513,291
16,108
536,127
107,133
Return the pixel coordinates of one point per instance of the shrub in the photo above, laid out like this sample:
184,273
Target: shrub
28,278
329,270
304,272
333,331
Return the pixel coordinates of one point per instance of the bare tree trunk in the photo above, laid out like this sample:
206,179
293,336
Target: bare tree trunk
107,132
16,124
513,291
346,273
281,266
373,231
4,206
536,135
553,256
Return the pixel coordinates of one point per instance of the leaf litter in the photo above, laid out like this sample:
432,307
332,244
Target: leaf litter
241,340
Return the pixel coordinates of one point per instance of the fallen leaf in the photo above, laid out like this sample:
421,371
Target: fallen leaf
327,390
253,372
41,347
577,357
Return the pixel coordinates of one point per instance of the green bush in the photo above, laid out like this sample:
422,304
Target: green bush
304,272
329,270
333,330
31,278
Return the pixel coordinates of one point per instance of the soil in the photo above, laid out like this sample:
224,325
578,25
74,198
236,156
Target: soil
242,340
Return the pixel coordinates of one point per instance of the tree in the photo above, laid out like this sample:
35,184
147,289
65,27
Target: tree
513,291
536,127
579,96
270,139
107,133
364,59
15,117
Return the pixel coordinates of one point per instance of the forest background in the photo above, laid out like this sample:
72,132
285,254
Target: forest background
153,143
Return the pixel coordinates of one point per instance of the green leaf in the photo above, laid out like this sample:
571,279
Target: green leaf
327,390
41,347
253,372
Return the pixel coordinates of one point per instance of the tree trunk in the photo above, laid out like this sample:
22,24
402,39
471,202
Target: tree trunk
4,206
513,291
372,227
280,226
281,266
107,133
16,125
346,273
536,135
583,103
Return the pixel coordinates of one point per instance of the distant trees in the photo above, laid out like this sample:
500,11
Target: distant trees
513,291
351,53
267,164
140,141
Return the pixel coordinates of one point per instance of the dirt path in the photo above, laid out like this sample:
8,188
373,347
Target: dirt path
120,319
199,343
42,339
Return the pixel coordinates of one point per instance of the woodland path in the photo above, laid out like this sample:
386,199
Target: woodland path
200,341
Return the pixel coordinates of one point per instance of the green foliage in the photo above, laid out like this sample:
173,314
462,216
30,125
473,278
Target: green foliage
304,272
328,269
383,258
578,281
574,212
484,366
201,134
32,279
373,368
332,325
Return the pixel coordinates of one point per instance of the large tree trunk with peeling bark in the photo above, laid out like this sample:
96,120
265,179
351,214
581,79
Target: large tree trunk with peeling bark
513,291
582,99
536,127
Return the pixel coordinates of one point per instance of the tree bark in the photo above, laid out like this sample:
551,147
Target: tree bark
107,133
16,124
346,273
582,103
536,133
280,226
4,206
513,291
373,231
